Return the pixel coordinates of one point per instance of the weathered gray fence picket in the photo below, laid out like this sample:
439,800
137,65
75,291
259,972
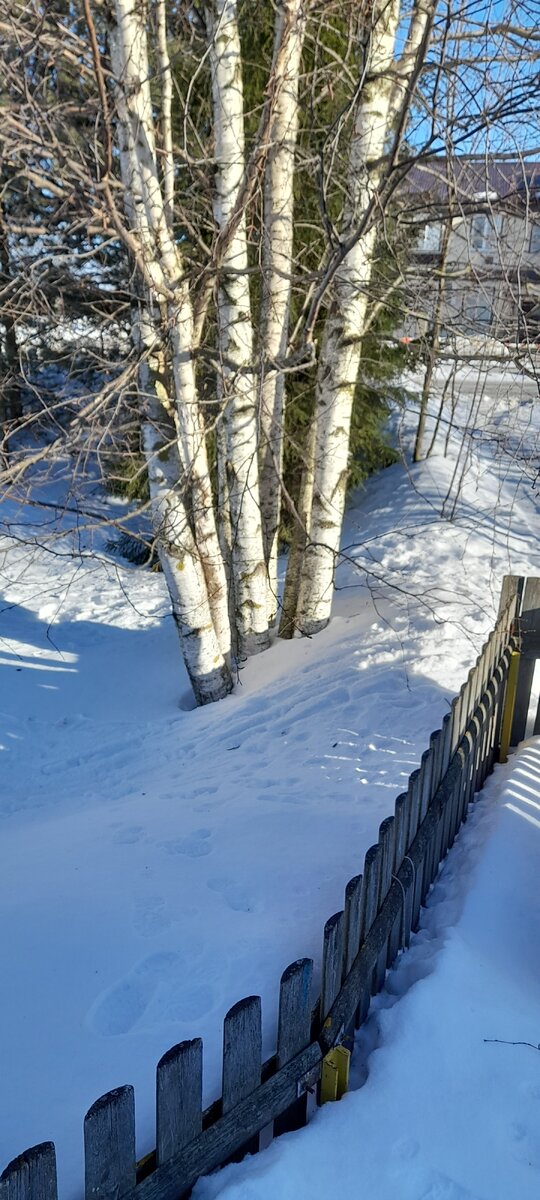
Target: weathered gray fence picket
381,910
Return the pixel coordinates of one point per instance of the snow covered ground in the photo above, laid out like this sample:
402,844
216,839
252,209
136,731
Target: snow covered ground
160,862
450,1109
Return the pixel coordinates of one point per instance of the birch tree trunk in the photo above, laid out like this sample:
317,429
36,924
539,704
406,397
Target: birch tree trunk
196,470
297,548
179,554
340,353
180,324
236,334
277,254
224,525
190,554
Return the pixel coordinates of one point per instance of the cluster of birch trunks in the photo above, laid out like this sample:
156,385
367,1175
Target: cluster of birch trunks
218,539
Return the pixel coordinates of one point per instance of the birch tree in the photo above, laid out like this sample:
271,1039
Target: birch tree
383,91
277,268
236,339
185,527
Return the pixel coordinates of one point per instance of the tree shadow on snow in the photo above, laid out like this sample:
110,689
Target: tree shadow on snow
85,669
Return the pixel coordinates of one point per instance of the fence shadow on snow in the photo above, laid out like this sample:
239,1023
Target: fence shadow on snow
381,909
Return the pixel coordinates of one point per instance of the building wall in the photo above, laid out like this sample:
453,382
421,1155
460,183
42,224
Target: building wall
491,276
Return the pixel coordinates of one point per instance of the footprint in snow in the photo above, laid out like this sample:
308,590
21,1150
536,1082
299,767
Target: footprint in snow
163,988
195,845
208,806
238,898
405,1149
127,835
189,1005
151,916
441,1187
119,1008
531,1089
525,1148
274,794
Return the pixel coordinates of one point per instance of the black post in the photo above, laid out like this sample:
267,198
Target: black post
529,634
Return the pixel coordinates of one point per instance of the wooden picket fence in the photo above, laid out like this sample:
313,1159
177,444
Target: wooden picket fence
381,909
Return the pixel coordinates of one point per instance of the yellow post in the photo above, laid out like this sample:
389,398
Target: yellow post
145,1166
335,1074
509,704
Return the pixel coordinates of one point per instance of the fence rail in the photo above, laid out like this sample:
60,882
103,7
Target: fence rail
381,909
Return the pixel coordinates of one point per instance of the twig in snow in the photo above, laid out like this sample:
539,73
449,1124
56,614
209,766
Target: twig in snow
503,1042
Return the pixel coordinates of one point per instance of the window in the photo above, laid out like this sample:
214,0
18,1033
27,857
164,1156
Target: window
479,231
479,314
429,240
530,185
534,245
486,229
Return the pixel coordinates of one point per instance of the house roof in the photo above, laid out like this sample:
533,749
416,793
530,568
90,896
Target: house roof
474,179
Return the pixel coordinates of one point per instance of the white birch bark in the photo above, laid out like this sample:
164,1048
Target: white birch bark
178,553
224,524
340,352
193,455
138,161
202,580
277,254
419,29
166,84
387,88
236,334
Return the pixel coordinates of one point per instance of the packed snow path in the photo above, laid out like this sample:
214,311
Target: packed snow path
450,1109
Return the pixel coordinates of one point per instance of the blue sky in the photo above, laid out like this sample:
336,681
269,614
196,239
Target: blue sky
491,81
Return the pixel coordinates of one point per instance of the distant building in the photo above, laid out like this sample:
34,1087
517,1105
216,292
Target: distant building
476,248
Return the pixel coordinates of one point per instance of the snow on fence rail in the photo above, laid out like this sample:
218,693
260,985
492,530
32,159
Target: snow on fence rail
382,908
